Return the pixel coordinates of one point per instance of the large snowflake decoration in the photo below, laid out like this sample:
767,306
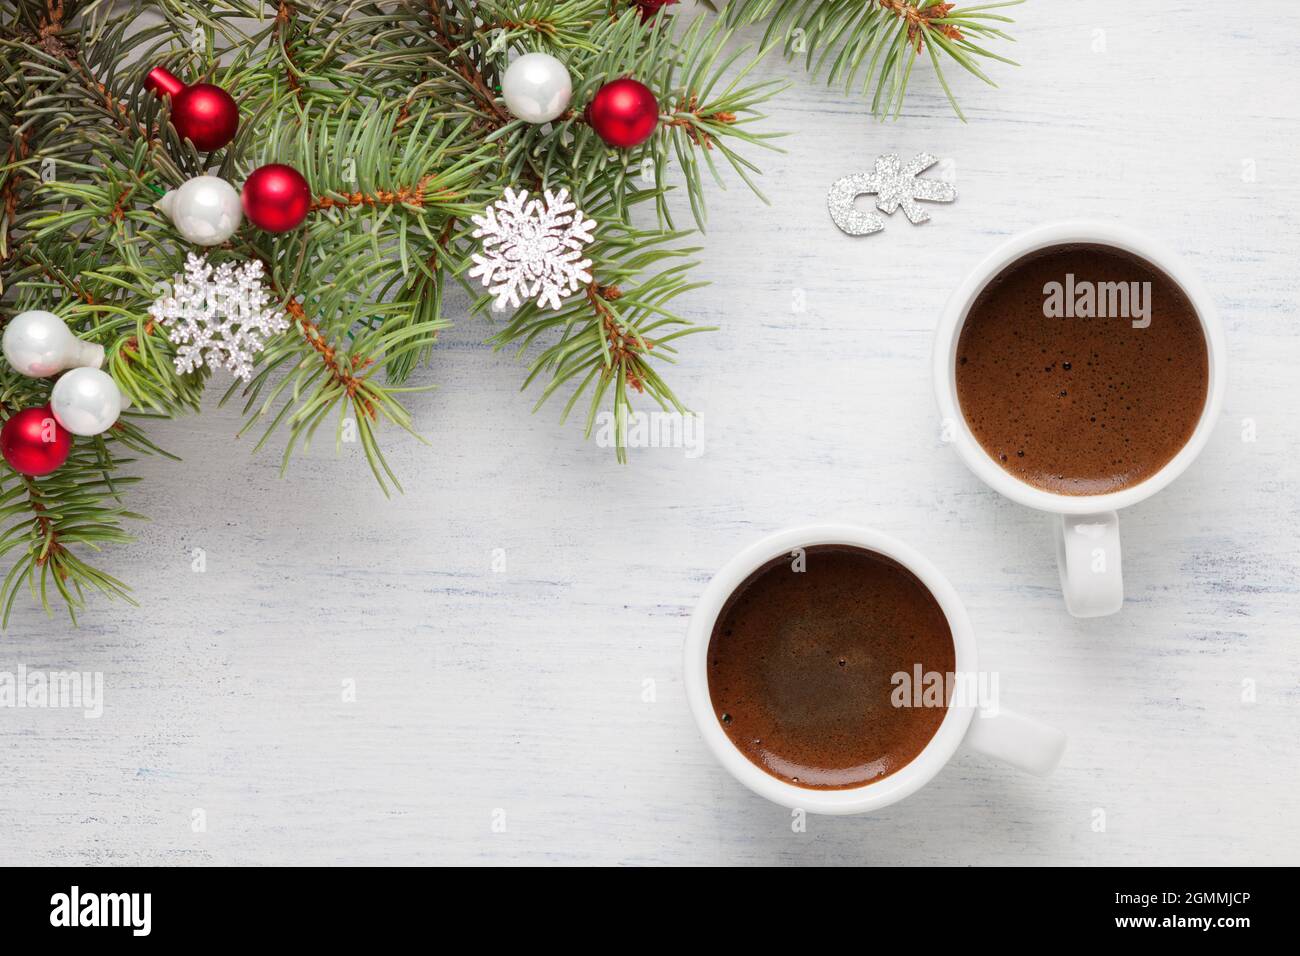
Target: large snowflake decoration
895,184
218,317
532,249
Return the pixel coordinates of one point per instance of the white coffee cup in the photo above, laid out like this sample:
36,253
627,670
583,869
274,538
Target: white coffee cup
1017,740
1086,526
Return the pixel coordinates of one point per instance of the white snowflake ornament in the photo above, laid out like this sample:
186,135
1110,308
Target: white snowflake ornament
532,249
218,317
894,184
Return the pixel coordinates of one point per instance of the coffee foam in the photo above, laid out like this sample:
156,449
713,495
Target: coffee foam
1081,404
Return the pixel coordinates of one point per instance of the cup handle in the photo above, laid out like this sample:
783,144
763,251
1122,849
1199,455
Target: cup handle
1020,741
1087,550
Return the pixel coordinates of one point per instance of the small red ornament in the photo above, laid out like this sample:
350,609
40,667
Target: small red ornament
204,114
34,443
624,113
276,197
650,7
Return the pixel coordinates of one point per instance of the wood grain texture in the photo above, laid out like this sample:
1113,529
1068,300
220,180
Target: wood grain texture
523,690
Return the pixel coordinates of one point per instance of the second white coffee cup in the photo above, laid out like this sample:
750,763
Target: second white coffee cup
1012,738
1086,526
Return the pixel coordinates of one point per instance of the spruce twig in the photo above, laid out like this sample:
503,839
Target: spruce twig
878,40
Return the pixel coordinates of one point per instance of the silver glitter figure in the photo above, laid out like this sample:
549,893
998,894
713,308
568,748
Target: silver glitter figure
894,184
218,318
532,249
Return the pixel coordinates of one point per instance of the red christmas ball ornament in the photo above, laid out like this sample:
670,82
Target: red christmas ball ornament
34,443
624,113
204,114
651,7
276,197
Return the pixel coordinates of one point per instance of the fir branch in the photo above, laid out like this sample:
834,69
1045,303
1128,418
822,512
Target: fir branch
682,72
606,340
392,111
879,39
43,521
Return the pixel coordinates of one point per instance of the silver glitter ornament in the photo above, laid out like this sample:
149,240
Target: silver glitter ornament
894,184
219,318
532,248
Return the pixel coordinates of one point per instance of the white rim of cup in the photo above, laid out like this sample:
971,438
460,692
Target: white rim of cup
871,796
954,317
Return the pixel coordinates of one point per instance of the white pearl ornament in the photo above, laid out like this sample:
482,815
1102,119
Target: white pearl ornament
37,344
86,401
537,88
205,210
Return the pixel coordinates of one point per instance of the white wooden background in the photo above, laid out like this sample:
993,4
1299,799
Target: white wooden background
523,691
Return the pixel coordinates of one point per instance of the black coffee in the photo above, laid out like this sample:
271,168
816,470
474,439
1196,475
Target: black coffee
1082,369
802,663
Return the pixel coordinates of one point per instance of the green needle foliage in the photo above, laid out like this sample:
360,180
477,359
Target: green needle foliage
874,43
393,113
